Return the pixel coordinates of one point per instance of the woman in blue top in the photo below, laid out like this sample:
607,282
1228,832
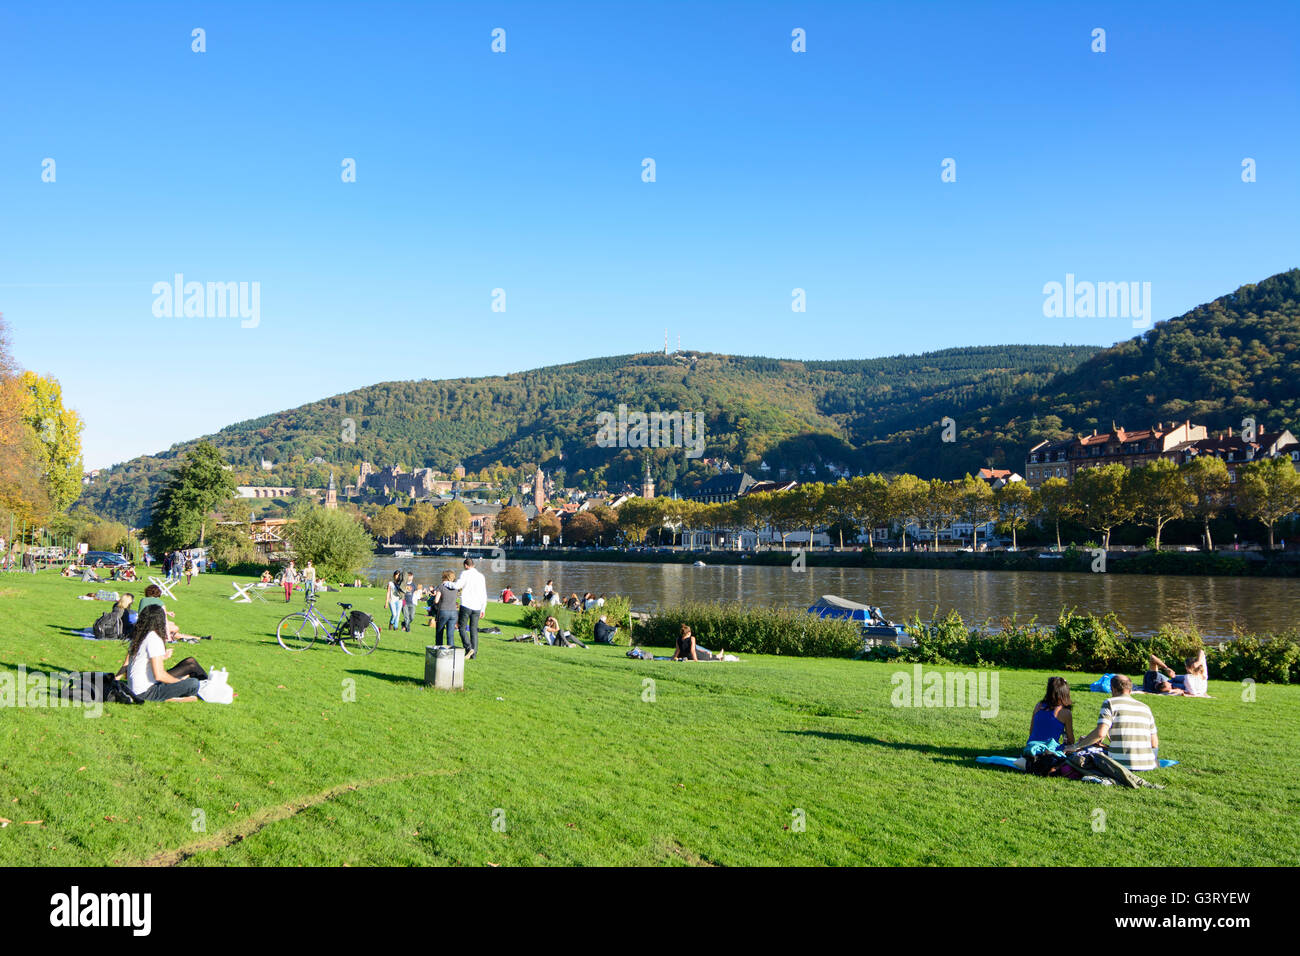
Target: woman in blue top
1052,716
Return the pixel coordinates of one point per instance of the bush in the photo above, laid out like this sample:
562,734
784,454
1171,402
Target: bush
1085,642
334,541
747,629
582,624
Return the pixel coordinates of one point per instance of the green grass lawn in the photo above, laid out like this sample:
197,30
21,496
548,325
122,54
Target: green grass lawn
554,756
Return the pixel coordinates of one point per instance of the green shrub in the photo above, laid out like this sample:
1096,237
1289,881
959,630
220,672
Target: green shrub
1085,642
749,629
582,624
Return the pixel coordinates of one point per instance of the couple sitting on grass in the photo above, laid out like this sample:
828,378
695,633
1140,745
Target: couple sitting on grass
1128,723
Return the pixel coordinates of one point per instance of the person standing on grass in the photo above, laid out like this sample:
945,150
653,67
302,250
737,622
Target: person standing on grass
1130,726
189,570
393,598
410,595
473,602
287,577
445,605
309,580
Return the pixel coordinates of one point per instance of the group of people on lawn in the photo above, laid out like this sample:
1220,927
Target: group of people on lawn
1127,722
147,631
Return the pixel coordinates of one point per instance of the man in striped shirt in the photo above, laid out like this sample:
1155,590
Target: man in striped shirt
1130,726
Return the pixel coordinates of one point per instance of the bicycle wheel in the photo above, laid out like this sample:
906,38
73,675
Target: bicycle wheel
296,632
365,643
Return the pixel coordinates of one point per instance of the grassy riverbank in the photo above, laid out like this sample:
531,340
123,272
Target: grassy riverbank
578,760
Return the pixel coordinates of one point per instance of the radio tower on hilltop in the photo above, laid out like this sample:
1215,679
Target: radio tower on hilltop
665,341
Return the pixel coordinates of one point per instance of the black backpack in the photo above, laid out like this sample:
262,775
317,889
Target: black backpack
90,687
358,621
1044,764
108,627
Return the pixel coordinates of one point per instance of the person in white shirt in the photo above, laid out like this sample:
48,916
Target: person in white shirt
473,602
145,655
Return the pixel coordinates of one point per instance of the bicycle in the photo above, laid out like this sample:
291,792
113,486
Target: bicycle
301,629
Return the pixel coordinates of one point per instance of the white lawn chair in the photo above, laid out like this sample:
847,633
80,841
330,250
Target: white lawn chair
164,586
241,594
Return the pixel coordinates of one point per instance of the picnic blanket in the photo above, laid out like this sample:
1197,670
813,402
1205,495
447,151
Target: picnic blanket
999,761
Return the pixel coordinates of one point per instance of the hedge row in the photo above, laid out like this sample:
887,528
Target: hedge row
745,628
1085,642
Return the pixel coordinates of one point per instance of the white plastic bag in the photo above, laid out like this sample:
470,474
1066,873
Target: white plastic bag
216,689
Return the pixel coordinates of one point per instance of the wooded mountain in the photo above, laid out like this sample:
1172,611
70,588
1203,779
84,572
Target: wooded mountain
1236,356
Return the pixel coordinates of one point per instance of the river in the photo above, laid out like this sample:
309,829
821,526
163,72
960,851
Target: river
1143,602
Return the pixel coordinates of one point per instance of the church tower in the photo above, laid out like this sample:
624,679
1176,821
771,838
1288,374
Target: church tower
647,484
539,490
331,494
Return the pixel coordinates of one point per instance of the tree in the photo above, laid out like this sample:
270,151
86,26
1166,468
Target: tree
58,438
811,506
1103,498
107,536
1207,478
333,540
868,498
1268,490
1016,504
545,526
1055,503
938,507
636,516
974,504
582,528
786,513
420,522
451,520
387,523
1160,494
510,523
199,486
907,501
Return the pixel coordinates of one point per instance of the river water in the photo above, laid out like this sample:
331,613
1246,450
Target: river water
1143,602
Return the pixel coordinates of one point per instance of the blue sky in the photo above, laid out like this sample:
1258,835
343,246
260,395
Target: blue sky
522,171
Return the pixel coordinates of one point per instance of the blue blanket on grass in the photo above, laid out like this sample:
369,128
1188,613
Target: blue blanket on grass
999,761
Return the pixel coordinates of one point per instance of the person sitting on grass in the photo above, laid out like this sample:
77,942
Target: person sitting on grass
689,650
508,596
1130,726
153,598
266,577
145,655
527,599
572,603
604,631
1052,715
1192,684
555,637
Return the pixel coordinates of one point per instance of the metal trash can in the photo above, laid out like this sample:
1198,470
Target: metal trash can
444,667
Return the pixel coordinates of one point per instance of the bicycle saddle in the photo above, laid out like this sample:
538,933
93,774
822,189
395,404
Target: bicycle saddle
344,606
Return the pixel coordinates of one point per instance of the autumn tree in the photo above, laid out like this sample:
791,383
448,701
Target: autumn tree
1103,498
1208,480
1268,490
1159,494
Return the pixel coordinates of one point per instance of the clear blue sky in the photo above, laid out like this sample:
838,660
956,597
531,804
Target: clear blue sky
522,171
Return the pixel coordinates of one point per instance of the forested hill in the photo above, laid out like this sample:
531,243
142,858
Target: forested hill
1235,357
789,413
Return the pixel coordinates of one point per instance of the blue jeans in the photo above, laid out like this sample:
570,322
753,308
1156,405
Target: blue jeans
445,630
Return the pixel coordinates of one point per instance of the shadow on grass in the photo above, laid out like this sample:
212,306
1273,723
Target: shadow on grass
964,755
391,678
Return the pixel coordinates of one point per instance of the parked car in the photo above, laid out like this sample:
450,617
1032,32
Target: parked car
107,558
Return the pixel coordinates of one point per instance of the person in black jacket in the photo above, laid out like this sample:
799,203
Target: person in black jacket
604,631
